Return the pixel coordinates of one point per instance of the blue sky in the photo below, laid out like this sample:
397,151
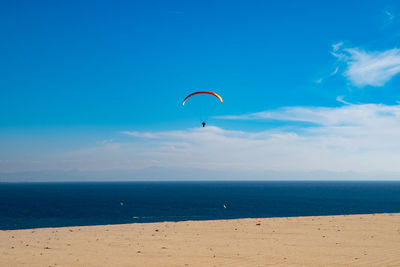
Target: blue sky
96,86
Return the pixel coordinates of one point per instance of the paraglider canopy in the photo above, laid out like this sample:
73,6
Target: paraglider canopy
202,92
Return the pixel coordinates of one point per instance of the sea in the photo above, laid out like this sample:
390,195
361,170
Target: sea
33,205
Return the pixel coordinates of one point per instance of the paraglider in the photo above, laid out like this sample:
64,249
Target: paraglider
202,92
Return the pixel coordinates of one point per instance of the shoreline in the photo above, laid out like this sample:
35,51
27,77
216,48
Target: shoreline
206,220
362,239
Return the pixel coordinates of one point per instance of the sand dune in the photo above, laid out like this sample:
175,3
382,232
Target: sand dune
361,240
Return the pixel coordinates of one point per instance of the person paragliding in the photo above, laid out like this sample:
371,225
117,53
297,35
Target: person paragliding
202,92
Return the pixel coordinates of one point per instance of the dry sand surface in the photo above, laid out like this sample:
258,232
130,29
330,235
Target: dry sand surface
369,240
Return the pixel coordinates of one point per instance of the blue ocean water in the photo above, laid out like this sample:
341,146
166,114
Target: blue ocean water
31,205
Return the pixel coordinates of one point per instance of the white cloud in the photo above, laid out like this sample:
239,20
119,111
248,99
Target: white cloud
369,68
352,137
372,68
349,138
328,116
359,138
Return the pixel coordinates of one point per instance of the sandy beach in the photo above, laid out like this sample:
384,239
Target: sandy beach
368,240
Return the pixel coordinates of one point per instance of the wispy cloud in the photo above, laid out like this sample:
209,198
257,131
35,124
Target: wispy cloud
349,115
336,47
374,68
106,141
335,71
389,14
341,100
